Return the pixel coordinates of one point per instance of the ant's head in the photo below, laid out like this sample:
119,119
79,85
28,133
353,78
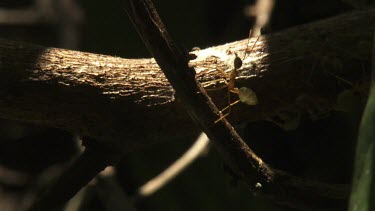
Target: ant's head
237,62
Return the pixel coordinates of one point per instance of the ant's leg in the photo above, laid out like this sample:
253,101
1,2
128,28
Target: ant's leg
247,45
225,75
218,88
235,91
247,51
230,104
222,117
228,107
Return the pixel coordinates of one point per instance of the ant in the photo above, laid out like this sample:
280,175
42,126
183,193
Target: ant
245,95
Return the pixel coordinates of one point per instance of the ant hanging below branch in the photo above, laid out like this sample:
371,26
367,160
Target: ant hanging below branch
245,95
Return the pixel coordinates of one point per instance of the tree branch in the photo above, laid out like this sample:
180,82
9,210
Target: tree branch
95,95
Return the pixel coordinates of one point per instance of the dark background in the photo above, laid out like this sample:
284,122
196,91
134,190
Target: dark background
206,185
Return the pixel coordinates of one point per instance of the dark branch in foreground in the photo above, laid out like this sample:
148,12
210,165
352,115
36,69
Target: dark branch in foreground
262,180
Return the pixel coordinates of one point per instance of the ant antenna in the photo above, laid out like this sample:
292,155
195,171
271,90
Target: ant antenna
247,45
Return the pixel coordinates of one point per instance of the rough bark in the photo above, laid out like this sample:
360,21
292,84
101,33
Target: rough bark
109,98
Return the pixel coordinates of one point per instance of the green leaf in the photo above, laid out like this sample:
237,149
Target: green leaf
363,190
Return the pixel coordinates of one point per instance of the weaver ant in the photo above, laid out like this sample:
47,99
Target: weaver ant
245,95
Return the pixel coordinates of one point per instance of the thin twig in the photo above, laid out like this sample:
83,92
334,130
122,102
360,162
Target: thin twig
156,183
262,11
111,194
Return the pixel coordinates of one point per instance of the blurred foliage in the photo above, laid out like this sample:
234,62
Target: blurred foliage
363,189
362,198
